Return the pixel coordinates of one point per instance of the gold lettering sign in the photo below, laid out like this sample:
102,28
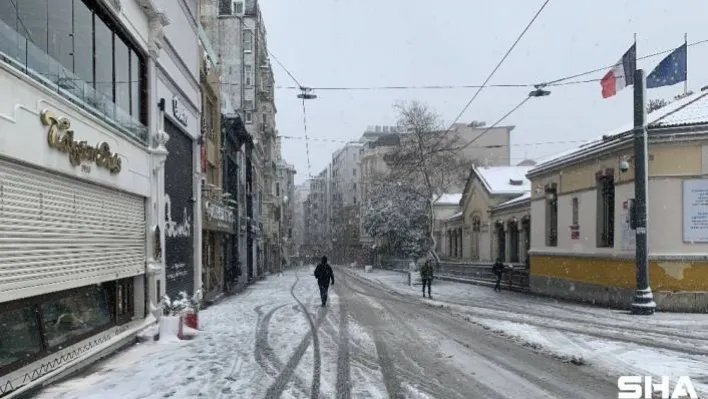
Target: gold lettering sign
61,137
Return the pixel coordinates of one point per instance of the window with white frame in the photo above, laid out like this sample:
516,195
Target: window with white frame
238,7
248,104
249,117
248,75
247,40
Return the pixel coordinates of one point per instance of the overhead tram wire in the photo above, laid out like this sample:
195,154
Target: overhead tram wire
479,90
304,90
534,144
563,81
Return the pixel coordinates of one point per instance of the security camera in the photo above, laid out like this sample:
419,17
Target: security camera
624,166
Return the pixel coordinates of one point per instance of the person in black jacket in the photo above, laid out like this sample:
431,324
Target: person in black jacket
324,274
498,269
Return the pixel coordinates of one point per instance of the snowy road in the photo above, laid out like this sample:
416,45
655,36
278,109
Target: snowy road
276,341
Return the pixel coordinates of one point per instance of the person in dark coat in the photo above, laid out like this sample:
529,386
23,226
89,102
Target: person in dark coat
324,274
498,269
426,275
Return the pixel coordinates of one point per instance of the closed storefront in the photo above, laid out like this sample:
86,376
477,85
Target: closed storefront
218,220
61,233
179,213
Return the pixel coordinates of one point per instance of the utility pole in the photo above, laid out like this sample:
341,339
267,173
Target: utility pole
643,303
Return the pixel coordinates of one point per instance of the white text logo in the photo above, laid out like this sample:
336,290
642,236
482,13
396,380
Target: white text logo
638,387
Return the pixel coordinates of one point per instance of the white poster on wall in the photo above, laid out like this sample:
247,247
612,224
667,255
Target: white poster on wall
695,210
628,236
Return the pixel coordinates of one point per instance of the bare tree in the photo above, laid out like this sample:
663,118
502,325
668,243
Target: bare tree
429,158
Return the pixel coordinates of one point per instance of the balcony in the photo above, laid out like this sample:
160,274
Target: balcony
25,57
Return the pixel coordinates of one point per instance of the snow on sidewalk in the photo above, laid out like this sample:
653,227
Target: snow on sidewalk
569,331
220,361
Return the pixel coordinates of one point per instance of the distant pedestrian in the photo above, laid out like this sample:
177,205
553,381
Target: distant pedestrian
498,269
324,274
426,275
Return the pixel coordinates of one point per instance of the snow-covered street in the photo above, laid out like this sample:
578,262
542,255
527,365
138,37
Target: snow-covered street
379,338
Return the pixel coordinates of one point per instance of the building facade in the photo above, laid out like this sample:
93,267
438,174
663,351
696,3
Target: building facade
582,240
345,201
285,197
472,233
83,224
237,32
301,194
318,216
179,91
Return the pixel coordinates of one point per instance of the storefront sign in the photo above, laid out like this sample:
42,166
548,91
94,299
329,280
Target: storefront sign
179,113
218,217
61,137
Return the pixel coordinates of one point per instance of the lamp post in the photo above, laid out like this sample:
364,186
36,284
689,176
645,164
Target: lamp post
643,303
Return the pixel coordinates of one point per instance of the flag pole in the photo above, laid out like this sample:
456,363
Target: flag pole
685,82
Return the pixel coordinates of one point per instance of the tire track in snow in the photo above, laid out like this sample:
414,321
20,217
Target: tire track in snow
344,383
278,387
388,368
263,353
621,334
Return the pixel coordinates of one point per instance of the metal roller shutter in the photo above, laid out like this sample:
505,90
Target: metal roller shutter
58,233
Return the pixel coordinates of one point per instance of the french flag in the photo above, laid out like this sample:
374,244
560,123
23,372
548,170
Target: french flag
621,75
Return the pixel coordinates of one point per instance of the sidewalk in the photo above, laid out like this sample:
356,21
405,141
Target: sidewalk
219,361
664,344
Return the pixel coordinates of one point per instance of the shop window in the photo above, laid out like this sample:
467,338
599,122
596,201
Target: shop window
124,300
20,338
70,317
606,212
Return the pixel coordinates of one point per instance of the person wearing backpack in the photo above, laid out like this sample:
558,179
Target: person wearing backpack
324,274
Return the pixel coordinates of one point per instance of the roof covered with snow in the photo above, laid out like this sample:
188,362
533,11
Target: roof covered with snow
454,216
690,110
693,113
514,202
449,199
504,179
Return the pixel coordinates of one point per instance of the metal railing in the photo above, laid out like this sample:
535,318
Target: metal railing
24,56
515,276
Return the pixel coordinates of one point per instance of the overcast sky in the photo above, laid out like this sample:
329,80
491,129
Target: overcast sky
355,43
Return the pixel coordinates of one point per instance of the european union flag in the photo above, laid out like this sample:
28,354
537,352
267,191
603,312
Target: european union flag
670,70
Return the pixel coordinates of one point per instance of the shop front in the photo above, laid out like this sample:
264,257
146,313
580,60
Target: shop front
179,213
217,224
74,245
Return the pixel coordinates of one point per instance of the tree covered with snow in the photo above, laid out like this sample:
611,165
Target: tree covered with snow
429,159
398,215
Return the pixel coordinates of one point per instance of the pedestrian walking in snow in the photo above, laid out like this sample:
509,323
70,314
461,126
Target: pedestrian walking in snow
324,274
426,275
498,269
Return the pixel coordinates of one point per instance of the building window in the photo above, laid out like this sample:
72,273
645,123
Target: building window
551,217
21,336
606,212
576,205
247,40
249,117
248,104
75,315
124,300
248,75
238,7
354,172
79,50
225,7
277,189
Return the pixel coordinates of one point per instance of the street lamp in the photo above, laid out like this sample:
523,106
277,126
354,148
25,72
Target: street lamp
306,94
539,92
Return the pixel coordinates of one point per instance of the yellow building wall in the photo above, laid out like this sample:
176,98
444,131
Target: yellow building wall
620,273
669,165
